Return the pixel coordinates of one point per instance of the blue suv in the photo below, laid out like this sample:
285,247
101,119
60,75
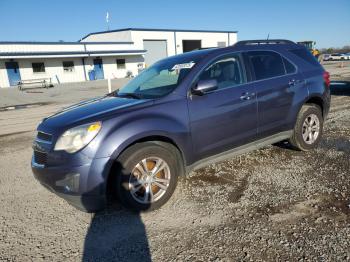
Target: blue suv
180,114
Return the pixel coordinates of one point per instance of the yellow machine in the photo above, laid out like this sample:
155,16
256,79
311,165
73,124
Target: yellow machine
311,46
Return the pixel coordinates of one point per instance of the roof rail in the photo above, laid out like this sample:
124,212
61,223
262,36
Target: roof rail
264,42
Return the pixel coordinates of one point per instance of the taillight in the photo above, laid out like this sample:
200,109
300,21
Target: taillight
326,78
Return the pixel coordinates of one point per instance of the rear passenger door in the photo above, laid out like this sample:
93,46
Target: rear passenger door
277,82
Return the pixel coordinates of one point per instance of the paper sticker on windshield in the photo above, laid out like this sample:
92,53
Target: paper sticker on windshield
183,66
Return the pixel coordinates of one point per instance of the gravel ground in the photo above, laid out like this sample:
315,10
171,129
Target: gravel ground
270,204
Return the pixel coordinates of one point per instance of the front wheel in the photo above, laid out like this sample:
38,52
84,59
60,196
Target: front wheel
308,128
147,175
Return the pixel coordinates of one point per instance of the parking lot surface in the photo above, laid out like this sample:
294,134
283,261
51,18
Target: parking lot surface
271,204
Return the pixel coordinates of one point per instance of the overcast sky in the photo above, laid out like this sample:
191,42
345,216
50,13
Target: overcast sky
326,22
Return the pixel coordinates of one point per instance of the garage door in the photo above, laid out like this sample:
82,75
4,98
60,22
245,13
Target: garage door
156,50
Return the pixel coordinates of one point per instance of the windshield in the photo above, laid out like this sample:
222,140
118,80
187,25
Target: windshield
162,77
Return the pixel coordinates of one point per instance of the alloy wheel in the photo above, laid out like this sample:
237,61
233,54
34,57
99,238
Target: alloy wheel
311,129
149,180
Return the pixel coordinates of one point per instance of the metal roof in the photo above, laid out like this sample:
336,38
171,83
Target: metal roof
69,54
158,30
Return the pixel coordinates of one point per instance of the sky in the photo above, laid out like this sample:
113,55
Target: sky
326,22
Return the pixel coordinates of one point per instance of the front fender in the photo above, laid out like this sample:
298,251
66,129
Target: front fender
118,139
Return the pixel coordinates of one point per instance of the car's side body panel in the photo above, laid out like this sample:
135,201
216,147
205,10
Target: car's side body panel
222,120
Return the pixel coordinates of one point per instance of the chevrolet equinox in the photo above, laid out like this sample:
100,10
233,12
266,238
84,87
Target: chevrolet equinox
180,114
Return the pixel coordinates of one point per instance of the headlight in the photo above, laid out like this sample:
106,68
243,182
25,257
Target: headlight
76,138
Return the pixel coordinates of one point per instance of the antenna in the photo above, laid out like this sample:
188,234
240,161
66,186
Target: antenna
107,20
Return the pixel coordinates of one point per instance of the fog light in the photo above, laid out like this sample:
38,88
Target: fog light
70,183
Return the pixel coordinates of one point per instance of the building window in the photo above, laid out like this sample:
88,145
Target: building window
38,67
68,66
221,44
121,64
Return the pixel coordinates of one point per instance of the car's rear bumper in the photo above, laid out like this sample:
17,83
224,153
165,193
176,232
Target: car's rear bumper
82,186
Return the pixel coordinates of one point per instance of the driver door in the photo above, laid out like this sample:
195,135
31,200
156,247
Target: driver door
226,117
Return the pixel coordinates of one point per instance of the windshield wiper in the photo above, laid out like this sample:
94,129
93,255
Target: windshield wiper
130,95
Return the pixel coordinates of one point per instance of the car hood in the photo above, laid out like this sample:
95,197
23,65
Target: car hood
90,110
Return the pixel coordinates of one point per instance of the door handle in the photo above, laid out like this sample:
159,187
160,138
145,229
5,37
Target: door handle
246,96
294,82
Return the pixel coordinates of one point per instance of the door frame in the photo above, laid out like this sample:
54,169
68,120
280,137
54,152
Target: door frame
101,69
183,40
8,75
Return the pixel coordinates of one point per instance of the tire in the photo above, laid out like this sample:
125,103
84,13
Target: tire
131,163
309,120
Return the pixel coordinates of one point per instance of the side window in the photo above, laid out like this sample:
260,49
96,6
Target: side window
226,71
68,66
121,64
266,64
38,67
306,56
290,68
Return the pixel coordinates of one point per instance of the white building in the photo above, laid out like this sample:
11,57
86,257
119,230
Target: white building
107,54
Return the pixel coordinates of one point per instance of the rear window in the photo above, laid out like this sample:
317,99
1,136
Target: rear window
306,56
266,64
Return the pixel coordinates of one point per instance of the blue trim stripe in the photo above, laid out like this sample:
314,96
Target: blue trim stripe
61,43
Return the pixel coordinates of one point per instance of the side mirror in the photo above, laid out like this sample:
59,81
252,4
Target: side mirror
204,86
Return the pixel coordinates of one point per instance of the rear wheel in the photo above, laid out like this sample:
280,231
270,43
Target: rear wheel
308,128
147,175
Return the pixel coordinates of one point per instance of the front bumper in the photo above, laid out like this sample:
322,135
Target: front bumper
84,186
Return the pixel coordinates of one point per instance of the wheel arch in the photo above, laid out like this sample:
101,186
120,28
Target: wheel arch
316,101
158,139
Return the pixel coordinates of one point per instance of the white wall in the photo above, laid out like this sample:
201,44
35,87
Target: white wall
54,66
121,36
21,48
110,65
139,36
24,47
233,38
3,75
208,39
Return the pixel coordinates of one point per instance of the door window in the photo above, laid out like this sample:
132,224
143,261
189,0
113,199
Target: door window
290,68
226,71
266,64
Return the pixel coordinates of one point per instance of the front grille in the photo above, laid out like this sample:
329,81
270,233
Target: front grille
40,158
44,136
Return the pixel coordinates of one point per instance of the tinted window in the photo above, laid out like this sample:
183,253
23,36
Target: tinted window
226,71
68,66
266,64
121,64
290,68
38,67
305,55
